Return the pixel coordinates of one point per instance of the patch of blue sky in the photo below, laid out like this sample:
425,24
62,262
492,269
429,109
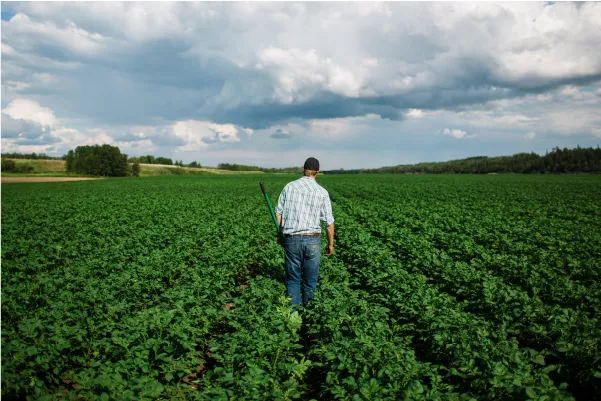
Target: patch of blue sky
7,12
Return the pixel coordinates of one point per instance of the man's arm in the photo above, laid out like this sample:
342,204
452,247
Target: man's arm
279,210
328,219
279,219
281,235
330,233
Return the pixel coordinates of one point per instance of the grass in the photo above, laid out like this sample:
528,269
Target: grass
40,166
163,169
57,168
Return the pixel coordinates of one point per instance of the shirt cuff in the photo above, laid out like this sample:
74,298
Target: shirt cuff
329,220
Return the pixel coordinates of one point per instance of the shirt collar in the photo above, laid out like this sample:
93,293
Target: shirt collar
311,178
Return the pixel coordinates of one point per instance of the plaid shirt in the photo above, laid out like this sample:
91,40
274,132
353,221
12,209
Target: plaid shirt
302,203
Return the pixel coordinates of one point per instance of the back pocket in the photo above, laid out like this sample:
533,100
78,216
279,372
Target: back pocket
313,250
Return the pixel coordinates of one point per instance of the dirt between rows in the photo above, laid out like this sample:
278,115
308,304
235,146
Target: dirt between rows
9,180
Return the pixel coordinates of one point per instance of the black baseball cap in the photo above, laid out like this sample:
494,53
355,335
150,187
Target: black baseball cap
311,164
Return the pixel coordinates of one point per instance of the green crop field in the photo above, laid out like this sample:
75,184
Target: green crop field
443,287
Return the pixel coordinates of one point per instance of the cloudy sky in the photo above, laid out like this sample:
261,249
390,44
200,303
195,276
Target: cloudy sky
353,84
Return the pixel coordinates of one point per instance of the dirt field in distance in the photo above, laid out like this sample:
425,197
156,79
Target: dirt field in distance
8,180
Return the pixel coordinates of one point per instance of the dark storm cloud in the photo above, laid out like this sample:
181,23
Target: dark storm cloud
183,77
15,128
157,82
257,65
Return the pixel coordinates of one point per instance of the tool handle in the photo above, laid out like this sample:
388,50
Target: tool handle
275,221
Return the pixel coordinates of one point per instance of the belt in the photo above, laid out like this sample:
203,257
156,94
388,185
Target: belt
303,235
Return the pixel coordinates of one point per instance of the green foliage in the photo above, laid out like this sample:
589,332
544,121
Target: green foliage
440,288
70,161
242,167
11,166
583,160
31,156
102,160
237,167
295,170
8,165
135,169
150,159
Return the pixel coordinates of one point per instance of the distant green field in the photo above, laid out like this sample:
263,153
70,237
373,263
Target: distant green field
57,168
446,287
41,166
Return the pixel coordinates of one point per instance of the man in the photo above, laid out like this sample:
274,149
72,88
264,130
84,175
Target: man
301,205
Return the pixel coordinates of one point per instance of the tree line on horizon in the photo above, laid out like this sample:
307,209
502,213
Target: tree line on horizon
150,159
31,156
578,160
107,160
243,167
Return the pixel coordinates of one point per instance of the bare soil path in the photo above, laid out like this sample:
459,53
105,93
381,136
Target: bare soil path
9,180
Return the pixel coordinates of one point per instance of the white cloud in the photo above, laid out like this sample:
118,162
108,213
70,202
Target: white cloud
300,73
199,135
71,138
530,135
69,36
225,132
39,130
16,86
30,110
414,113
544,98
316,69
20,128
570,91
455,133
24,121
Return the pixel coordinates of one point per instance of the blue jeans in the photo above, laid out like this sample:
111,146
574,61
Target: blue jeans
302,254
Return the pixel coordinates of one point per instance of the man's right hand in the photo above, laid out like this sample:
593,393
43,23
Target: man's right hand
329,250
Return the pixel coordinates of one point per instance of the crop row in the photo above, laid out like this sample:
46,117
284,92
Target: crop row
549,247
172,288
478,356
339,347
117,292
360,350
567,337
